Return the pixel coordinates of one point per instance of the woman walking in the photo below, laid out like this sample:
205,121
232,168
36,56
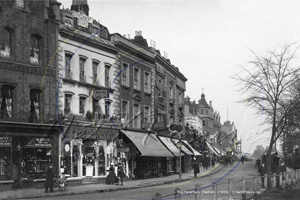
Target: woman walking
49,179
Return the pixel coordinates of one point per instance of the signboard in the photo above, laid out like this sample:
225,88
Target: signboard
108,134
83,19
99,94
5,141
125,149
29,142
42,142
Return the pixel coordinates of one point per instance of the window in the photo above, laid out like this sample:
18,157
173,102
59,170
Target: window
34,104
5,42
136,78
68,101
171,91
107,80
160,115
147,86
125,74
147,117
68,72
136,117
35,49
107,107
201,111
95,73
82,68
203,122
206,112
95,32
96,107
179,97
6,101
69,21
82,105
20,3
124,110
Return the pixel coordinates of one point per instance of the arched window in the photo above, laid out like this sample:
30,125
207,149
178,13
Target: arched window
5,42
35,50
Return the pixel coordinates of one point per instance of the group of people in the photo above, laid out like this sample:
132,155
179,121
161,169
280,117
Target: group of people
112,178
277,167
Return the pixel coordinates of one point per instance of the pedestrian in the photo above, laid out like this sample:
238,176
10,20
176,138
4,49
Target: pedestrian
242,159
195,167
121,173
49,179
111,177
213,161
262,171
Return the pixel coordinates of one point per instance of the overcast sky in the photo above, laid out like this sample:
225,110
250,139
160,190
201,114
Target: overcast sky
208,41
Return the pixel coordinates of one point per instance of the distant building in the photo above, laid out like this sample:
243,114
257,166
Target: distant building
228,138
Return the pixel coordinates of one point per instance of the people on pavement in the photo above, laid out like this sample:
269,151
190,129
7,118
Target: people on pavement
111,178
262,171
49,179
195,167
213,161
121,173
281,169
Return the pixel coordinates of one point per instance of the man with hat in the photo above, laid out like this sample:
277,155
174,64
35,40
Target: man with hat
49,179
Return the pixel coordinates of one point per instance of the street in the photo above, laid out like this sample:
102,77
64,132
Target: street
234,172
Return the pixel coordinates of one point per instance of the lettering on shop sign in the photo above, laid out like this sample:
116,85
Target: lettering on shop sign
5,141
108,135
99,94
42,142
83,19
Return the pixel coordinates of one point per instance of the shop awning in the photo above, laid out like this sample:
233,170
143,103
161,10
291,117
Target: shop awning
196,153
183,148
217,150
170,145
212,149
148,144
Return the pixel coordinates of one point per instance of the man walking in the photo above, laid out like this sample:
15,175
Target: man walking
262,171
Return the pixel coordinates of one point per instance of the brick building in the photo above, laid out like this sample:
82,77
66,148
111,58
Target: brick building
28,134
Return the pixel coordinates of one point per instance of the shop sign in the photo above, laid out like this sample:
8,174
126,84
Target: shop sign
83,19
42,142
30,142
100,94
125,149
108,134
5,141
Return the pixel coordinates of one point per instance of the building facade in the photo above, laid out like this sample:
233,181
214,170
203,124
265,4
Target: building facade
28,123
88,96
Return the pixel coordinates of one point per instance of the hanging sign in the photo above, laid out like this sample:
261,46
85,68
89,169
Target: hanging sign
99,94
5,141
42,142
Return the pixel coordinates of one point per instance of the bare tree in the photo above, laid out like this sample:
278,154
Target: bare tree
267,88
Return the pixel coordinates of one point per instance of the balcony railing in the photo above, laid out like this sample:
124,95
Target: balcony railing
5,50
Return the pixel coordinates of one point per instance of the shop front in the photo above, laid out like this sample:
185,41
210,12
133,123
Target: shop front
147,156
87,151
26,151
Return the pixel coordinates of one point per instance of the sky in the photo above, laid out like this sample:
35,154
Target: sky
208,40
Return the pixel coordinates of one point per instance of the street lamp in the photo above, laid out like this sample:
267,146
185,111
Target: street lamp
179,144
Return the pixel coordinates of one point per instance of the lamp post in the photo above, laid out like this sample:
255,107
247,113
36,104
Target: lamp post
19,149
179,144
174,129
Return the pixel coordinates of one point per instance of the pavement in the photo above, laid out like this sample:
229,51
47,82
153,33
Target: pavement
101,187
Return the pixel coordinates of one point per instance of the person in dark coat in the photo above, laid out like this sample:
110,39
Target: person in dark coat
49,179
195,167
262,171
111,178
121,173
213,161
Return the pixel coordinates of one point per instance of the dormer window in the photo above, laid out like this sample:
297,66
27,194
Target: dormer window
95,32
35,49
69,21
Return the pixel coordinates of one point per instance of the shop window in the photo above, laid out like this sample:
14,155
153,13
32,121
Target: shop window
6,101
6,42
107,77
68,71
136,78
147,86
82,105
34,104
95,73
125,74
35,47
82,77
68,101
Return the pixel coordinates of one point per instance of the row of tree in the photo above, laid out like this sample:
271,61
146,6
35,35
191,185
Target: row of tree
271,85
